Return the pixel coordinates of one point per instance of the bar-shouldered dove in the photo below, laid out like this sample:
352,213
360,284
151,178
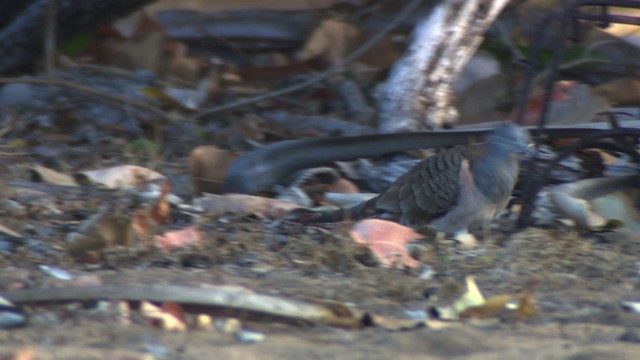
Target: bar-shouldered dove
462,187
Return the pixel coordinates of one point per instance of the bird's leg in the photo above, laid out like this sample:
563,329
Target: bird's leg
467,240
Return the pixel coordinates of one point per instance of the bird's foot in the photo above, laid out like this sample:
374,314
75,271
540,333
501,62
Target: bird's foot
467,240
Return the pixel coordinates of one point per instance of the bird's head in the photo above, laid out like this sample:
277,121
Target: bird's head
509,137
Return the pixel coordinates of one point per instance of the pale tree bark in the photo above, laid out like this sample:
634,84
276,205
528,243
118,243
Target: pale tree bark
419,91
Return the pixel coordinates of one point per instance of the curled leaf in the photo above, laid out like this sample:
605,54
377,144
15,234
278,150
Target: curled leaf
599,204
118,177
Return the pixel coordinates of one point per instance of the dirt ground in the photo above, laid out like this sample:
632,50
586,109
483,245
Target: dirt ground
581,281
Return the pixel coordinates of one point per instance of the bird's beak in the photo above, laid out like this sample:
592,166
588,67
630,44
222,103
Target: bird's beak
529,150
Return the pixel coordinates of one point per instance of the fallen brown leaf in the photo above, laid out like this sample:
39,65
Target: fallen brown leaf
102,230
240,204
161,209
43,174
160,318
119,177
207,167
23,354
343,186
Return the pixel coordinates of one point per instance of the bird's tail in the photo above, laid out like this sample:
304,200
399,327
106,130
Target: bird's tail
357,212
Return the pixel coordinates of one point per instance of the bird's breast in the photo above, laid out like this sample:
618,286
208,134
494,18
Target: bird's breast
471,209
496,178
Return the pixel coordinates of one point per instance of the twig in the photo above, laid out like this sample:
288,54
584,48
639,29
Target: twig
504,36
50,37
126,74
238,300
91,91
323,75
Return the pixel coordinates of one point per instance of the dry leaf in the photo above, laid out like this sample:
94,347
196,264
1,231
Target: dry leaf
163,97
343,186
124,312
5,230
204,322
471,298
332,40
102,230
526,306
160,318
229,326
387,240
43,174
181,238
490,308
135,43
176,63
578,210
599,203
141,223
521,305
146,219
207,167
472,304
174,309
620,92
240,204
161,209
135,24
22,354
119,177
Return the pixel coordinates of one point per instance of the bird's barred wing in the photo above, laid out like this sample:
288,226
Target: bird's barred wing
428,190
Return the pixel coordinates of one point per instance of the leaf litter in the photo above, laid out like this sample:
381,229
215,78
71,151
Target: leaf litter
158,264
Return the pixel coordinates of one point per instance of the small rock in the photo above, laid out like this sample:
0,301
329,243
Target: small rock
10,319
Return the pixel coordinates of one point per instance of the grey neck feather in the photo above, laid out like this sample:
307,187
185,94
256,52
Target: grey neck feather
496,171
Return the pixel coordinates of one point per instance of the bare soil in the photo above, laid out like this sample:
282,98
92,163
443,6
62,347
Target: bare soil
582,279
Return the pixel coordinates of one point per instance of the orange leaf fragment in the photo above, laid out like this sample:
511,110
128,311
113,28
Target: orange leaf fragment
22,354
161,209
160,318
175,309
387,241
188,236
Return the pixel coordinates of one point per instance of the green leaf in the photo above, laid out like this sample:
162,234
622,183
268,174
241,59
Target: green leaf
141,145
76,45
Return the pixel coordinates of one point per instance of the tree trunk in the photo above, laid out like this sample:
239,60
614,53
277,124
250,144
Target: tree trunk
419,94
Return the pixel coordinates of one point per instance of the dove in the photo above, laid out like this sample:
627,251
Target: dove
451,191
